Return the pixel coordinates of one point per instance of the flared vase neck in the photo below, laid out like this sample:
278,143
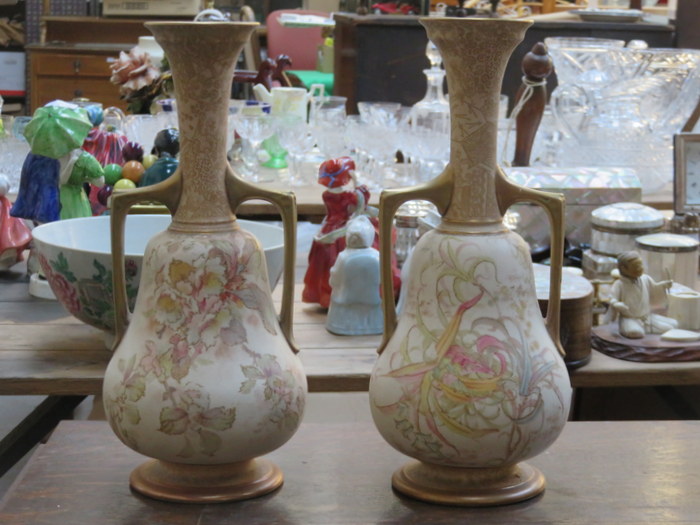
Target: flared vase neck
475,53
202,57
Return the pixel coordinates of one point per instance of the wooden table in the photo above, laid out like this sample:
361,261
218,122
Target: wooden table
621,472
46,351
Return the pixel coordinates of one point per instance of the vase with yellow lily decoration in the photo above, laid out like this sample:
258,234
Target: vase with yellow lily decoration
204,377
470,379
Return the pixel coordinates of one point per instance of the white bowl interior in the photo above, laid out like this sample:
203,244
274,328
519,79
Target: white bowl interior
92,235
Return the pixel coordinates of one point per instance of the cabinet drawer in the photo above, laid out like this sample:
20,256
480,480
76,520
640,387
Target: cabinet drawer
48,89
71,65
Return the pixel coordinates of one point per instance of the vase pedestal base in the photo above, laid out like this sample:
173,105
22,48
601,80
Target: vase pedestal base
183,483
470,487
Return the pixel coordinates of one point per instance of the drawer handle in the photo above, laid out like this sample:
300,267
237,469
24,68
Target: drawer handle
76,66
78,93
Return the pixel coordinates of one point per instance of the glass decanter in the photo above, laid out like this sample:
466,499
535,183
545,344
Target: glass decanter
433,110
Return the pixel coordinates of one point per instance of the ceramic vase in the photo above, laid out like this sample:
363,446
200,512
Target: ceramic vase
204,376
470,380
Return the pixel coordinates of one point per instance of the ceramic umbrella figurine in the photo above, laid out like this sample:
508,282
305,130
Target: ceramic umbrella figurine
54,132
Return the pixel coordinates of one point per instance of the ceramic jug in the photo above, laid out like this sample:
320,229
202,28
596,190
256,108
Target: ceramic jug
204,376
289,101
470,380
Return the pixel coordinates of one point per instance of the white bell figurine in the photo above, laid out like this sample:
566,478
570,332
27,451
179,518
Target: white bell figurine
356,306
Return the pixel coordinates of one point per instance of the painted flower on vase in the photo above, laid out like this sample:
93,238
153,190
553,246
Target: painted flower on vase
201,306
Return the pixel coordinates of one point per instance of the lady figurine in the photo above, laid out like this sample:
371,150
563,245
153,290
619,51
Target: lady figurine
15,236
37,198
355,307
631,298
344,199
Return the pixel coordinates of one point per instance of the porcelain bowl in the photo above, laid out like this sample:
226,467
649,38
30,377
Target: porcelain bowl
75,256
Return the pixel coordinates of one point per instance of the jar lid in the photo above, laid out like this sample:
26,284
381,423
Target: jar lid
627,215
666,242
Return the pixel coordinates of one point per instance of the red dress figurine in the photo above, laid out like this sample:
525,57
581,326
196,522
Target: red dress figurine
15,235
343,200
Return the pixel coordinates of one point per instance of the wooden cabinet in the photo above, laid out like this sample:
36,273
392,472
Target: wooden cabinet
74,55
67,71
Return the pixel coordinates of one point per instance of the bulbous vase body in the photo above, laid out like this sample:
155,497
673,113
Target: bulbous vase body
203,378
203,374
471,377
469,380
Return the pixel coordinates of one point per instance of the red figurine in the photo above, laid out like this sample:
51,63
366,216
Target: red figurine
15,235
343,200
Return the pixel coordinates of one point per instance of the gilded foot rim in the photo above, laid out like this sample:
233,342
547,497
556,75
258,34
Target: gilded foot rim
183,483
469,487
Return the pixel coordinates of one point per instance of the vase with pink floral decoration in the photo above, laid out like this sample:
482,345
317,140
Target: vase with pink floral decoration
204,376
470,379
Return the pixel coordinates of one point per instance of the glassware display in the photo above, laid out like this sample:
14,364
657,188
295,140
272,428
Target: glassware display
254,124
619,106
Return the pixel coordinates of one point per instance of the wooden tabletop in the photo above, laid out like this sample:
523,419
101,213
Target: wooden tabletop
335,474
46,351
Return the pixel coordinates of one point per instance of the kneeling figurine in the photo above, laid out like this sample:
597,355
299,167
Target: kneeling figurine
631,297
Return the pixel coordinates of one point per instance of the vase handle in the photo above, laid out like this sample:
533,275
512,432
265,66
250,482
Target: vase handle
510,193
166,192
239,191
438,191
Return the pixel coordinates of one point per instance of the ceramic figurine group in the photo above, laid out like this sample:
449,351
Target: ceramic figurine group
343,271
51,184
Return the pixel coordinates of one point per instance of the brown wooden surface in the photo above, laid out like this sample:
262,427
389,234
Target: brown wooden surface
621,472
45,351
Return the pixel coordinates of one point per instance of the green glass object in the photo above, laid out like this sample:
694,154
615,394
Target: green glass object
278,155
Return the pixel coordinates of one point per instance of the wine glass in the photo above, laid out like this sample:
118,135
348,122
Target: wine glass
254,124
294,135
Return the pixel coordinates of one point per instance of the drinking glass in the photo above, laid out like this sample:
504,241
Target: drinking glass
254,124
328,109
294,135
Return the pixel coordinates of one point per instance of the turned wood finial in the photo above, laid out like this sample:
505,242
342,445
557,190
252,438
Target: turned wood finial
537,65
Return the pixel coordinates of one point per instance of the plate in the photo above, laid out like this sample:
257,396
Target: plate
608,15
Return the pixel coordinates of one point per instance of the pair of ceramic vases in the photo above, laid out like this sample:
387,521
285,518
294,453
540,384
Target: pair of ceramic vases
204,376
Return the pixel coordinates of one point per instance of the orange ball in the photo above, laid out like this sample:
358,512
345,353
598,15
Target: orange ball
133,170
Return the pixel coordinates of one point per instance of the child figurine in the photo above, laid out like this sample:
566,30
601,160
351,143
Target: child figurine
77,168
355,307
15,235
631,297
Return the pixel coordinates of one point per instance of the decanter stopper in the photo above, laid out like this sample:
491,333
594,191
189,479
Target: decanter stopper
434,56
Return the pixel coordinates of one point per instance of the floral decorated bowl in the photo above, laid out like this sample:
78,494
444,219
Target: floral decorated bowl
75,256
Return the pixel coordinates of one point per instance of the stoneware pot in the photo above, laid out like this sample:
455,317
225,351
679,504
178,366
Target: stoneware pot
470,381
204,376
